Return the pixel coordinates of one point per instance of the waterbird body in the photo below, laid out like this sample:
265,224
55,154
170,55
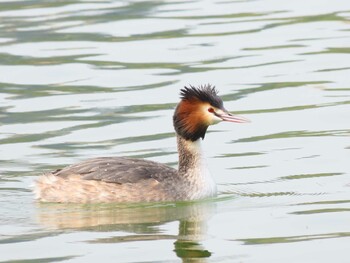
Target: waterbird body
121,179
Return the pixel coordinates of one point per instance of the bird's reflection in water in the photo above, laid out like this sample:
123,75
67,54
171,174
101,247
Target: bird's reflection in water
141,222
187,245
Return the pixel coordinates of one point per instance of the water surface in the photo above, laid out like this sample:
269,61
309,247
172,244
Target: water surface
82,79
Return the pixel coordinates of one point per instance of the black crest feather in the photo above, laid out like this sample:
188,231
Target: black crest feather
205,93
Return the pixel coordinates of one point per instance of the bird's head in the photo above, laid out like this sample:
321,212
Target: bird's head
199,108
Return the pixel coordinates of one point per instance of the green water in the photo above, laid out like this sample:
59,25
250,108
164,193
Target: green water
81,79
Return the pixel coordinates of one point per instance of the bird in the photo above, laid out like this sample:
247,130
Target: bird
131,180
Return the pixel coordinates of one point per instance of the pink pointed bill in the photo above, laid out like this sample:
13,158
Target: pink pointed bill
233,118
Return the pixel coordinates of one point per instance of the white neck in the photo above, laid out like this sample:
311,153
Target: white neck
193,168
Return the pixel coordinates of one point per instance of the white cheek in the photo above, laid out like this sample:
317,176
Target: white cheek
215,119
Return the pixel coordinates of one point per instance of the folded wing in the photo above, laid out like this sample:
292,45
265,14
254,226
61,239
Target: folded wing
117,170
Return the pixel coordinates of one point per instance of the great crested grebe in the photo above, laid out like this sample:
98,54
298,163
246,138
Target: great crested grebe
120,179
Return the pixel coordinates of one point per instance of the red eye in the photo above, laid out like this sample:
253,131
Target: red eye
211,110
